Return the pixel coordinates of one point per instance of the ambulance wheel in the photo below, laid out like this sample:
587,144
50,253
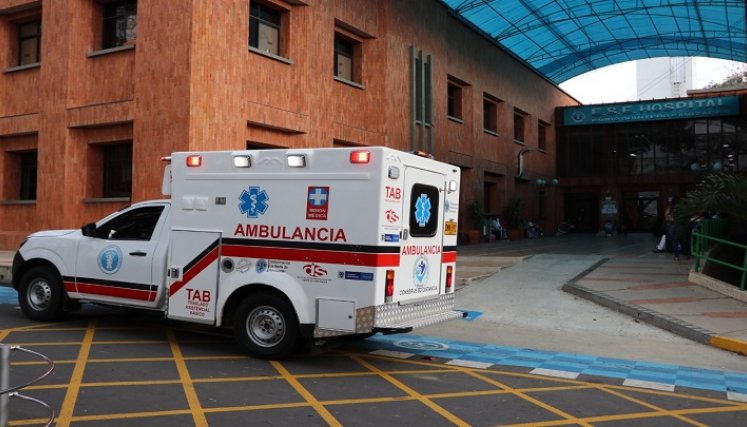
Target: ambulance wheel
265,325
40,294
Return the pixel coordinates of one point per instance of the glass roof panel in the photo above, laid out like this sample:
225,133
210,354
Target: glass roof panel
564,38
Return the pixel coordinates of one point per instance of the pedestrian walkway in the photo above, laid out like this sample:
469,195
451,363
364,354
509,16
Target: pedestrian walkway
630,278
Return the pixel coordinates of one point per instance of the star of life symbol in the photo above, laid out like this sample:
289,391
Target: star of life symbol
253,202
423,210
318,196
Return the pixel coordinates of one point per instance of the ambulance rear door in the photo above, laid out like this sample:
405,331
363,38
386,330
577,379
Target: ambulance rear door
419,275
193,275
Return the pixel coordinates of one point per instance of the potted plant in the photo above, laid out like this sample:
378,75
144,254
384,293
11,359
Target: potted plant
512,219
477,215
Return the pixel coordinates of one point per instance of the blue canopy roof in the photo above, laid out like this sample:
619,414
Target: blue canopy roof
564,38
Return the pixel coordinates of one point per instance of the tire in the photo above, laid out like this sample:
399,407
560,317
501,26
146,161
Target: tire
41,295
266,326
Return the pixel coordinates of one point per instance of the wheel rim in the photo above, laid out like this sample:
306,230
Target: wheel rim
265,326
39,294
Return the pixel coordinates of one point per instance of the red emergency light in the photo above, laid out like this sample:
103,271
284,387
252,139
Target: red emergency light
389,288
449,278
360,156
194,161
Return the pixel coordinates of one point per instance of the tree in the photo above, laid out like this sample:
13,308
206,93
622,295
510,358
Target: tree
722,192
737,78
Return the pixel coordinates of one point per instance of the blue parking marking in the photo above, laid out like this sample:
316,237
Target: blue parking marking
678,376
8,295
471,315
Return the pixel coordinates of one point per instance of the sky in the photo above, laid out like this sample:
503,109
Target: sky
594,87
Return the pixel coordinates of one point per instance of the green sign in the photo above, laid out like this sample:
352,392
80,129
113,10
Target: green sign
681,108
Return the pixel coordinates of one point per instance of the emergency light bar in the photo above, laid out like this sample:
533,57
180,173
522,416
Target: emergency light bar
242,161
194,161
297,161
360,156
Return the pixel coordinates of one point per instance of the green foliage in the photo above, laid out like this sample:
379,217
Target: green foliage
512,213
736,78
476,214
721,192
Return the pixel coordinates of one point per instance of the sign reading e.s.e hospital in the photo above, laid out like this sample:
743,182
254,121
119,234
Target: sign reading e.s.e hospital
681,108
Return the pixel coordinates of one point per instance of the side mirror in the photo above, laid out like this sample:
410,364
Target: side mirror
89,229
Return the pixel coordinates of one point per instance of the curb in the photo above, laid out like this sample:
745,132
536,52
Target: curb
657,319
731,344
660,320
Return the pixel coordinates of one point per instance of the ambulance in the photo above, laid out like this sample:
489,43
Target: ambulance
285,246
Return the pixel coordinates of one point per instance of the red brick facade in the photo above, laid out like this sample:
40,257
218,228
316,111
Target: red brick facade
190,82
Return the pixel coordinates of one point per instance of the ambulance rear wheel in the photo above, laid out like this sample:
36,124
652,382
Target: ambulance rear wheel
266,326
40,294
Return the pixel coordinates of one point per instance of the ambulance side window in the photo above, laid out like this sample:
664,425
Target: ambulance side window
137,224
423,210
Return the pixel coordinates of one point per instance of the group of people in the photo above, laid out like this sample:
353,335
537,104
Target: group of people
531,228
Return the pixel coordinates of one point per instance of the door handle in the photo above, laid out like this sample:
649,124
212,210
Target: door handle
138,253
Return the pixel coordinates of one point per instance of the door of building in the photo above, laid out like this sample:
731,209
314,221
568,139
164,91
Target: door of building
641,211
582,211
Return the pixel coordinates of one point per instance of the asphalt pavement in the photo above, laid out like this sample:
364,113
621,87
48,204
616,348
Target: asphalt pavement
534,349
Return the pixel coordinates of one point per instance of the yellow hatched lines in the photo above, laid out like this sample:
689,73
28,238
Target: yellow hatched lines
68,405
198,414
491,377
307,396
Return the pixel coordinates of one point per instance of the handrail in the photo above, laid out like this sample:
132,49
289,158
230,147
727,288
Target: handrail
703,239
11,392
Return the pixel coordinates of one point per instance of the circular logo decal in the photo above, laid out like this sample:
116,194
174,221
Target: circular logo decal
421,345
261,265
578,116
420,273
110,259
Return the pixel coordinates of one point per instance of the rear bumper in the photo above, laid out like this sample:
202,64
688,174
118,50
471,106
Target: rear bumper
416,315
396,318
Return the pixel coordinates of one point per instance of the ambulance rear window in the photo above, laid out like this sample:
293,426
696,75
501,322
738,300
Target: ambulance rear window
423,210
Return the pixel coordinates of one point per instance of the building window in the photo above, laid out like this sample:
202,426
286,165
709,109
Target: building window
117,162
345,59
454,101
489,115
542,136
28,175
120,23
519,118
29,42
265,28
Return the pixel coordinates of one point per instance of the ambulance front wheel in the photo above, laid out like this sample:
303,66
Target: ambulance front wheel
40,294
266,326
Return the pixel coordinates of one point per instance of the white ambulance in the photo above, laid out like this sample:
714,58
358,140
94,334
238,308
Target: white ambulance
285,246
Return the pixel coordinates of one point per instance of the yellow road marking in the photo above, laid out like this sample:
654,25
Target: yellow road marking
198,415
411,392
307,396
541,404
68,405
650,406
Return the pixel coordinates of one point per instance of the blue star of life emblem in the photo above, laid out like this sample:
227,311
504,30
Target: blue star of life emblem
423,210
253,202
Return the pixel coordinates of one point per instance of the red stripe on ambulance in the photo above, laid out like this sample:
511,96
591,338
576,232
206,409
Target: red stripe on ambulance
363,259
113,291
190,274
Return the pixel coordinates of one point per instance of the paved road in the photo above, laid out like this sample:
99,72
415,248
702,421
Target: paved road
528,354
524,306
